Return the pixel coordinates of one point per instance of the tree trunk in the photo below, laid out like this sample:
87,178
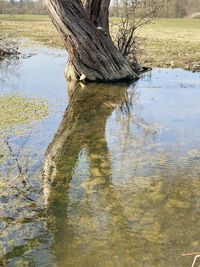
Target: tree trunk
98,12
85,31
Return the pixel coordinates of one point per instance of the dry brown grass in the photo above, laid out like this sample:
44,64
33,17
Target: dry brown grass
165,42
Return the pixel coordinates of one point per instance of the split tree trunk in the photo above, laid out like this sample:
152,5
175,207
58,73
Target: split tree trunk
98,12
85,31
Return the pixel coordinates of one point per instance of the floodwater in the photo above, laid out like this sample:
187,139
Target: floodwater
111,177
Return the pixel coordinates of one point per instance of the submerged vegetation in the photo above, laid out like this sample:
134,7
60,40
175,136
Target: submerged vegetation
119,179
17,115
19,205
16,109
117,183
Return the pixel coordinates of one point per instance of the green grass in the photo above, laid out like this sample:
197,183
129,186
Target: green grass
171,43
37,27
12,17
18,113
183,24
165,42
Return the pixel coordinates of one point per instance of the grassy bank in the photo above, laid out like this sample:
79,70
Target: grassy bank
171,43
165,43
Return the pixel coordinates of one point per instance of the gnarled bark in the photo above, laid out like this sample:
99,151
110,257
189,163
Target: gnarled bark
98,12
85,31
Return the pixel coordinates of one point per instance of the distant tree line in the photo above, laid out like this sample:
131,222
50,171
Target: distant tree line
22,7
179,8
166,8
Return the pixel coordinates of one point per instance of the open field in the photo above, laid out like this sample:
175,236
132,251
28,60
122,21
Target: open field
25,17
172,43
164,43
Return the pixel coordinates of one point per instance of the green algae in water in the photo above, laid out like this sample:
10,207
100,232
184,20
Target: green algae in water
18,113
16,109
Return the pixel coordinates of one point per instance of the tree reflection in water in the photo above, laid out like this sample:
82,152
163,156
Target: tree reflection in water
77,165
107,211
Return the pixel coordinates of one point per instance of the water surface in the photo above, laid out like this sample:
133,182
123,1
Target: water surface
112,173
